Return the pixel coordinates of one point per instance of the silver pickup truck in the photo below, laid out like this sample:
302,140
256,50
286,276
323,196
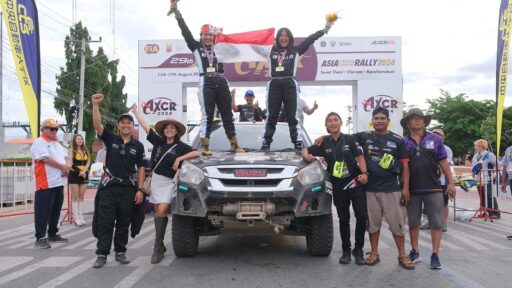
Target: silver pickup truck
277,192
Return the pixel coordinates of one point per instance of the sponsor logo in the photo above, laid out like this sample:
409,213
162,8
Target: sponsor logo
358,62
384,101
343,43
180,61
151,48
159,106
333,43
26,23
168,47
323,43
429,145
383,42
391,144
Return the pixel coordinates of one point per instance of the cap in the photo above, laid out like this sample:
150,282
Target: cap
438,132
207,28
128,116
50,123
249,93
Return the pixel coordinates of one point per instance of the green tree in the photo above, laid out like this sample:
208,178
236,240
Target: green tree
460,119
101,75
488,130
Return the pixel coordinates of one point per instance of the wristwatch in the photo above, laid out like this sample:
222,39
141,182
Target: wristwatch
141,190
366,173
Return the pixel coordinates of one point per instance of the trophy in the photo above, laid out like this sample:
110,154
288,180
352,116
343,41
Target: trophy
171,11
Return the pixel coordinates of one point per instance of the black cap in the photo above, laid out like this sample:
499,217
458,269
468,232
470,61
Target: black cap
249,93
128,116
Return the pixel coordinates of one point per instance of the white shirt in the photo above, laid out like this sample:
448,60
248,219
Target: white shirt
449,158
301,108
47,176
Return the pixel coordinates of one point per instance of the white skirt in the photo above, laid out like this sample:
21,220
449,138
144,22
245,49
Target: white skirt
162,189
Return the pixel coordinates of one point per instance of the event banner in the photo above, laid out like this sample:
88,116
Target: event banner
343,58
378,93
502,65
22,25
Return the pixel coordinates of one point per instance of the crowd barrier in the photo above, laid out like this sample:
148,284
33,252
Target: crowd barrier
17,186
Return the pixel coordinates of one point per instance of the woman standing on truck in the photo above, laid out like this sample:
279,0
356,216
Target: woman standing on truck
166,157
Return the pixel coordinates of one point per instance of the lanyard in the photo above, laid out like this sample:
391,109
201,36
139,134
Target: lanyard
342,150
209,55
280,57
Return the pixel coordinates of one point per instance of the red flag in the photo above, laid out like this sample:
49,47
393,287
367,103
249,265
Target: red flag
244,47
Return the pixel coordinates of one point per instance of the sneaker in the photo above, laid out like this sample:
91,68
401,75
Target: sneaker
100,261
58,238
42,243
121,258
434,262
425,226
345,257
265,148
358,256
414,256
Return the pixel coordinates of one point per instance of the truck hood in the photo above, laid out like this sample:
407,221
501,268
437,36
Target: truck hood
251,158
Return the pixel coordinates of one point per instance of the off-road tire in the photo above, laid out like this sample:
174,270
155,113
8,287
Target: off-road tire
319,239
185,236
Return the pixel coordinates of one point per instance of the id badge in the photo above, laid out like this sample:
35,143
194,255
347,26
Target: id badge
386,161
210,69
279,69
340,170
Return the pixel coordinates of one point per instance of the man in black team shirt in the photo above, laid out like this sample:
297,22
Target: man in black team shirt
249,111
388,165
347,168
213,87
120,188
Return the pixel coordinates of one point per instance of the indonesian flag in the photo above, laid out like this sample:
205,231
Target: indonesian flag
244,47
351,184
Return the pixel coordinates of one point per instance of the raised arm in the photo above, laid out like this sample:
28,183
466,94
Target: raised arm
96,116
304,45
140,118
234,107
187,35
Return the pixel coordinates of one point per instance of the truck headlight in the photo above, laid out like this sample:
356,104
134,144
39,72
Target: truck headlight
190,173
313,173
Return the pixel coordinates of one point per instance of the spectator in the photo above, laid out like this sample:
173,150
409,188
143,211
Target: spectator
78,178
507,169
426,153
101,154
302,108
51,166
249,111
483,164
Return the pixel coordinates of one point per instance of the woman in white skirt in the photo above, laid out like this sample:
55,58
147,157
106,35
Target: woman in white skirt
167,155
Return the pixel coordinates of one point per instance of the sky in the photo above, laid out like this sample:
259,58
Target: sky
446,44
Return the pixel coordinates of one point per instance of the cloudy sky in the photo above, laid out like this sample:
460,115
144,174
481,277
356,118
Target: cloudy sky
446,44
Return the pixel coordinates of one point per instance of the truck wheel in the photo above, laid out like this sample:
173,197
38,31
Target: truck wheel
185,237
320,237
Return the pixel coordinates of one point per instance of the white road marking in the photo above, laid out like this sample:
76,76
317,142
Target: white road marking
62,278
7,263
49,262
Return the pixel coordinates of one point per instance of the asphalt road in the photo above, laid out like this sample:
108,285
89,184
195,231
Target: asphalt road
475,254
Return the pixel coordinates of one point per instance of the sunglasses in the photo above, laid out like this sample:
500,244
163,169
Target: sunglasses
52,129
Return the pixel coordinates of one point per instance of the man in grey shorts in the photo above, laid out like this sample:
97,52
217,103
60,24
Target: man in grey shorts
426,154
388,165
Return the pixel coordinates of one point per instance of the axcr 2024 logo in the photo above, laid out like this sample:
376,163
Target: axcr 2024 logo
384,101
159,106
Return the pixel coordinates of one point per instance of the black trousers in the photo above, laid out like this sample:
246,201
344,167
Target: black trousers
47,206
282,92
492,203
115,207
214,91
342,200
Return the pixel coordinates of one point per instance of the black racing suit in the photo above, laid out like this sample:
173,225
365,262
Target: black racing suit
213,87
283,88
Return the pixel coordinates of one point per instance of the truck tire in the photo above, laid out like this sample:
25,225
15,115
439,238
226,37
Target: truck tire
320,237
185,236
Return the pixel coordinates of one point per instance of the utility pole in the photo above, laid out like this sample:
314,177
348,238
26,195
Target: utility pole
82,83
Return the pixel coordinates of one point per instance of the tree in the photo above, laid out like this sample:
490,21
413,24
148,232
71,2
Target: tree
101,75
460,119
488,130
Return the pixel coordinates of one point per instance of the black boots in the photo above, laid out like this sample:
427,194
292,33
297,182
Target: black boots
159,248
